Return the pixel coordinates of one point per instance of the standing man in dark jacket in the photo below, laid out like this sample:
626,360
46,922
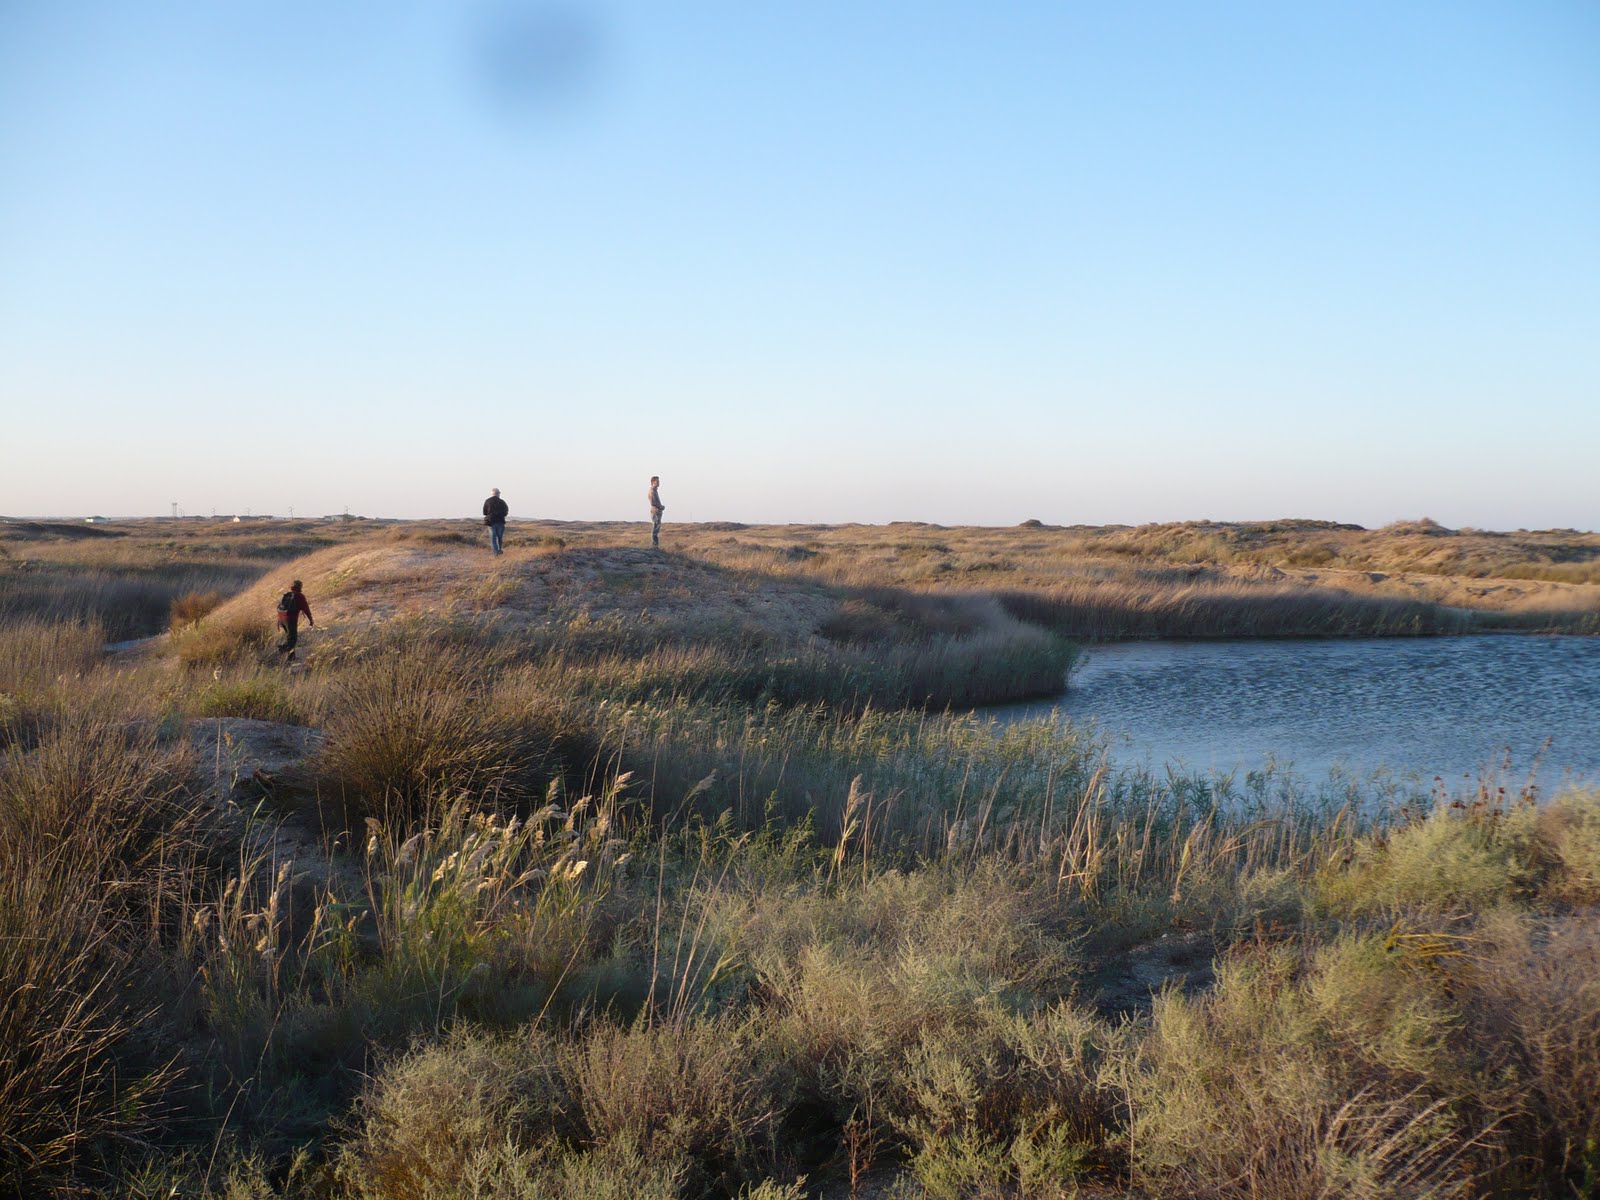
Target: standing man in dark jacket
290,606
494,516
656,509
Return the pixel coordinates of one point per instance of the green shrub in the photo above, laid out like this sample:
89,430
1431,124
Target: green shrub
1004,1105
1451,860
625,1111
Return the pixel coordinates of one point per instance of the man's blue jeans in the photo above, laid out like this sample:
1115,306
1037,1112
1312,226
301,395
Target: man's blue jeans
497,535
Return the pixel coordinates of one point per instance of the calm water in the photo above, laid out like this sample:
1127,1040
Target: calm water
1430,706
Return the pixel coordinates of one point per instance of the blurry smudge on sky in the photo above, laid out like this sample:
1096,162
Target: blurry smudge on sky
534,60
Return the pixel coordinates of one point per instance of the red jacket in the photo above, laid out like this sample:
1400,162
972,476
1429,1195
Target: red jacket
300,606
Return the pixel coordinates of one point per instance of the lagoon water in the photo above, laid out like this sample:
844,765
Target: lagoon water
1420,707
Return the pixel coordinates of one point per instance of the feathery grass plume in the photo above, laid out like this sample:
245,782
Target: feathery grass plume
479,909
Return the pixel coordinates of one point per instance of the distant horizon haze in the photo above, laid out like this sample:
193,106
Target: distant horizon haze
356,514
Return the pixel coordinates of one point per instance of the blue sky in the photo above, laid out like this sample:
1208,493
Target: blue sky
808,262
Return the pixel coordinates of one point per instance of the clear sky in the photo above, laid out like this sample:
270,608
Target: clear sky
824,261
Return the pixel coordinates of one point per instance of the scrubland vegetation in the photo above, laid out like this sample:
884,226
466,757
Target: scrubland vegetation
590,872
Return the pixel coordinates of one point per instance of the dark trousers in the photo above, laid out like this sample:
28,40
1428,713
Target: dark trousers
291,635
497,535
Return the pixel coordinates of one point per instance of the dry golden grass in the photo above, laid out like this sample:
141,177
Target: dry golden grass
820,929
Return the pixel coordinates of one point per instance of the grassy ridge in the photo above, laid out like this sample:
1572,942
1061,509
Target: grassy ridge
583,873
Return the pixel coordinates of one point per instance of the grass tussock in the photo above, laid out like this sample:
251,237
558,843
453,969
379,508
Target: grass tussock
225,639
93,832
404,729
260,695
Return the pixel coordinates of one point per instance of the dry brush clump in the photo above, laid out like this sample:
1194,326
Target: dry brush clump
1466,855
1318,1070
1531,987
93,846
662,1109
225,638
191,606
405,728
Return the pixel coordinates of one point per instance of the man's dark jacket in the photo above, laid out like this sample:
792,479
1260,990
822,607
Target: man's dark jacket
494,511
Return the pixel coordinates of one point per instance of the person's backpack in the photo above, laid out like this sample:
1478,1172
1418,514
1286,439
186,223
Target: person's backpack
286,605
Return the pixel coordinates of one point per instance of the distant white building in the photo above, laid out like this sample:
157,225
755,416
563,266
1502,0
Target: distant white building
97,520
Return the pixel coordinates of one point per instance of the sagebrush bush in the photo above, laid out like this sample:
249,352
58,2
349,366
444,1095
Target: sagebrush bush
1532,997
693,1091
630,1111
1450,860
1005,1104
1327,1072
431,1115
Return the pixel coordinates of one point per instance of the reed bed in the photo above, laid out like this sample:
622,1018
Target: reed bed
1113,611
